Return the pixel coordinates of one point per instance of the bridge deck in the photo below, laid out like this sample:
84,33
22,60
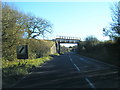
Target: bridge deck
67,39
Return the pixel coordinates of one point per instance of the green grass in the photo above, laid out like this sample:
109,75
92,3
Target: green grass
12,71
57,54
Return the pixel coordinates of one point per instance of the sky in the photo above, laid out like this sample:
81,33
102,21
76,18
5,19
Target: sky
75,19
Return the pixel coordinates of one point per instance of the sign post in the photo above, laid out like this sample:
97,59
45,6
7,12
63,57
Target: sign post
22,52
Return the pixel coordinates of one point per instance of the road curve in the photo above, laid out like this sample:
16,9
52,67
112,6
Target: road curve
72,71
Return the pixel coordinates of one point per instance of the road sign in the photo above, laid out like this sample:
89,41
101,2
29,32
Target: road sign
22,52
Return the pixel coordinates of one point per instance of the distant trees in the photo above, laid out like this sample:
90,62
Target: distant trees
88,45
74,48
64,49
16,25
91,40
114,31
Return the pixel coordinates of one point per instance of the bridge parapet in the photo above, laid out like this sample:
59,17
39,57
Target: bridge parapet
67,39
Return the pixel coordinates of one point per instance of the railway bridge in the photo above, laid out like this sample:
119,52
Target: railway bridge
65,39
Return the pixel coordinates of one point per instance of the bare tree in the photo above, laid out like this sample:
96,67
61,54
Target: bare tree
114,30
37,27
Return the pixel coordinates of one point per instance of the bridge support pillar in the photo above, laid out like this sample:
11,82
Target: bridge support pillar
77,49
58,47
78,44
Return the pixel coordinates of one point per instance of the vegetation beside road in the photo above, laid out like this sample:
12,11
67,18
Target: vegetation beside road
12,71
104,51
22,29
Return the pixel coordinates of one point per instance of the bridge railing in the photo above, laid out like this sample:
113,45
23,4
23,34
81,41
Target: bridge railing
67,40
67,37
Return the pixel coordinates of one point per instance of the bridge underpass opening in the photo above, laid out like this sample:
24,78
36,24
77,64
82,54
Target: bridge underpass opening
67,47
68,44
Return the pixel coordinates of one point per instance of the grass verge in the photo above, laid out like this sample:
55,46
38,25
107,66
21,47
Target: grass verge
12,71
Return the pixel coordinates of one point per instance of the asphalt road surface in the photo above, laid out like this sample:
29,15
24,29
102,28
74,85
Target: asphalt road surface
72,71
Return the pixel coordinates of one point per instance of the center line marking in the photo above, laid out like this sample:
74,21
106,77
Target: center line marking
71,60
77,67
92,86
89,83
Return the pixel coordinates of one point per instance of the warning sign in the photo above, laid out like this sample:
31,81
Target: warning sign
22,52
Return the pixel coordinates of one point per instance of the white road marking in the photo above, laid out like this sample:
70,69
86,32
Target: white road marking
77,67
71,60
74,64
89,83
80,70
69,56
95,60
82,59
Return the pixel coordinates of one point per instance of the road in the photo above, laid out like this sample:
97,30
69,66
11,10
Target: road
72,71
